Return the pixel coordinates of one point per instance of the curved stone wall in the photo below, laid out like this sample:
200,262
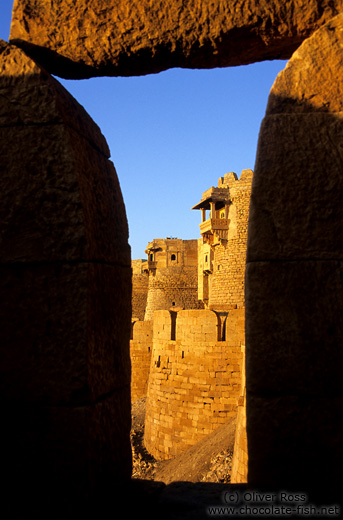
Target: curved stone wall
172,287
194,381
173,275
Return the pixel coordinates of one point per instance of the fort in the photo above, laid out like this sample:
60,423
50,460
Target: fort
188,361
65,360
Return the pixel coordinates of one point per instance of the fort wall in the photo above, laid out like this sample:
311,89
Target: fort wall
140,353
195,380
140,283
239,472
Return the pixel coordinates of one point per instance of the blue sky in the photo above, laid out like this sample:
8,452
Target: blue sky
172,135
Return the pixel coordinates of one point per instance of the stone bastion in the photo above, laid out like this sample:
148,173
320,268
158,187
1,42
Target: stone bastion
193,380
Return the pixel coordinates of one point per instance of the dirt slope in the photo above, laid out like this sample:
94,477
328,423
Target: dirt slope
207,461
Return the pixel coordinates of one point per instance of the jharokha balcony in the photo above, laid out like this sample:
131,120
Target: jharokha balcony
213,224
149,265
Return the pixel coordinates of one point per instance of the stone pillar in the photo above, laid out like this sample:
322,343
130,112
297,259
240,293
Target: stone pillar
212,210
294,306
65,307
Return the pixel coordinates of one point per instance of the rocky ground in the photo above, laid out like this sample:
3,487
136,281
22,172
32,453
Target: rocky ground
210,460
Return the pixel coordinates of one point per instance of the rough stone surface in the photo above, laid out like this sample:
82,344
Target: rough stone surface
302,351
140,353
65,308
304,114
80,209
294,276
140,285
291,429
121,38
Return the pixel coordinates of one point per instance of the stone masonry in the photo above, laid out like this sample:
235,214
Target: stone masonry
172,267
222,248
140,352
140,284
65,254
195,379
65,284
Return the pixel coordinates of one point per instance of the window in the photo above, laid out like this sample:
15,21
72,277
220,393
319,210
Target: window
151,257
173,258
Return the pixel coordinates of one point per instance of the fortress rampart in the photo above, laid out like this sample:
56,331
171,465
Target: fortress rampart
140,352
140,283
239,472
195,378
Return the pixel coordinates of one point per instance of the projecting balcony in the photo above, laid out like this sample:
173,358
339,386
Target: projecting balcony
214,224
149,266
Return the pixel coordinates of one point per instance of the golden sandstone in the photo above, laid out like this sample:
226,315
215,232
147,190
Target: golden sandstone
132,37
65,367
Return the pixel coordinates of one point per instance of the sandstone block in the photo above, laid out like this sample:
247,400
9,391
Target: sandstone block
302,352
65,309
132,38
58,186
31,96
294,253
299,158
298,429
73,322
302,87
65,445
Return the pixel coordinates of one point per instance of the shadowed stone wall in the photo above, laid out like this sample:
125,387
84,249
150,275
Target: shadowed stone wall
294,306
65,295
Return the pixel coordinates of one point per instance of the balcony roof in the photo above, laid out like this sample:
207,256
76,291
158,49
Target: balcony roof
213,195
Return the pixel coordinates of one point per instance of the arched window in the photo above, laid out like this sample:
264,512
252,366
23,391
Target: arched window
173,258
